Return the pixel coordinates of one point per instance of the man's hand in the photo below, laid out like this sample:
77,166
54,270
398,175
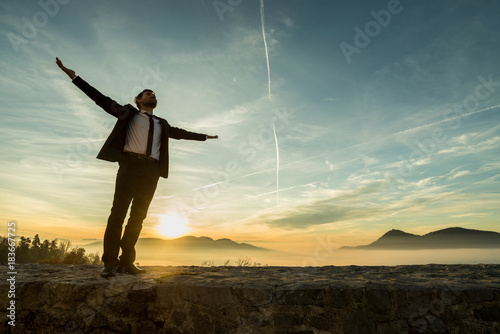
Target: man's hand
66,70
212,137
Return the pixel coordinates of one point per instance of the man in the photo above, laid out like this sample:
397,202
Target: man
139,143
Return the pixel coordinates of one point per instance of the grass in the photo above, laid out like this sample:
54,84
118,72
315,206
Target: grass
240,262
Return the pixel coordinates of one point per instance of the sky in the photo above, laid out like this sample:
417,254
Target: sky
337,120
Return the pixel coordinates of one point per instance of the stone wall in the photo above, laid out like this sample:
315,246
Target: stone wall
352,299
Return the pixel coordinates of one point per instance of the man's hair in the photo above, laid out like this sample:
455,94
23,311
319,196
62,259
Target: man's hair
139,96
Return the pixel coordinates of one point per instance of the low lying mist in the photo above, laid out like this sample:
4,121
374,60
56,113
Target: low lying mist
318,257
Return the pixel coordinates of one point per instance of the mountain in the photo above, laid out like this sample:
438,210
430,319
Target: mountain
187,243
454,237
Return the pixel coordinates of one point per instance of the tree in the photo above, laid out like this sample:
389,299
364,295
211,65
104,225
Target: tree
23,250
44,250
4,250
51,252
35,247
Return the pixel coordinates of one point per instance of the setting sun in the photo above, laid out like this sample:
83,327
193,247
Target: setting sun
173,225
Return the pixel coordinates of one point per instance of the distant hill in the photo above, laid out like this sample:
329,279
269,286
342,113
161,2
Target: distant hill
188,243
454,237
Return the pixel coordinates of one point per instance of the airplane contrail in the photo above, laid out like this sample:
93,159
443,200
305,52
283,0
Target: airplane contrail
269,95
443,120
265,47
277,166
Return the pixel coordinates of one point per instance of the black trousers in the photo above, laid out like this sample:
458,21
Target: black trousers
136,182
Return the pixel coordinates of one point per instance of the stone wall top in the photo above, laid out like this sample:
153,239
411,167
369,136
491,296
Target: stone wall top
485,275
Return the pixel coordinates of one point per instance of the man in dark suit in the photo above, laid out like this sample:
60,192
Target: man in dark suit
139,143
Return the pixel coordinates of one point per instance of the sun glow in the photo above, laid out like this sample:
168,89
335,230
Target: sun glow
173,225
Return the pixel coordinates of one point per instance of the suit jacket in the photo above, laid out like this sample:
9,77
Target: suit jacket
112,149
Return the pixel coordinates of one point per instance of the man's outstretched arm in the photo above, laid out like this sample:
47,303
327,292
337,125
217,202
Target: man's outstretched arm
106,103
177,133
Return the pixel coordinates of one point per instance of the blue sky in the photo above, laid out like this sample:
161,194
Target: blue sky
400,131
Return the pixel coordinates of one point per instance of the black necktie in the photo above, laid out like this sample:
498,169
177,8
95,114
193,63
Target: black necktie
150,135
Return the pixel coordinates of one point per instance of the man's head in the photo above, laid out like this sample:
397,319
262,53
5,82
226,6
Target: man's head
146,98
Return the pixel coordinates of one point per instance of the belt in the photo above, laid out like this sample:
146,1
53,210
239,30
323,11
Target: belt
140,156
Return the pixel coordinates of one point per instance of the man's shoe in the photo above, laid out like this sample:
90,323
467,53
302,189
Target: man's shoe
108,271
130,269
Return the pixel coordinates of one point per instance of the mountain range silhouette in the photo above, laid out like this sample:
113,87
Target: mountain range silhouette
453,237
189,242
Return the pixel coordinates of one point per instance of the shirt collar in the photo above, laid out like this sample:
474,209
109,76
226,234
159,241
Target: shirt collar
143,112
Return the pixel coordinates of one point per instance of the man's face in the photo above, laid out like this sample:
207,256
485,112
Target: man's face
148,99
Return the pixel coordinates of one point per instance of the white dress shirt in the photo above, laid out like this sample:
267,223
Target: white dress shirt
137,135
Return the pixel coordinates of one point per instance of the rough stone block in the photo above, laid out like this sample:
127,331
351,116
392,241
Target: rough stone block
30,295
357,294
142,292
301,295
413,302
449,295
435,325
359,322
324,321
393,327
253,295
99,320
337,296
378,299
287,319
475,295
456,313
488,313
209,296
165,295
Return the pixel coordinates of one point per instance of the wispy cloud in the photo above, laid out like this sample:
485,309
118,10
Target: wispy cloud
471,214
220,120
476,148
456,174
342,206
